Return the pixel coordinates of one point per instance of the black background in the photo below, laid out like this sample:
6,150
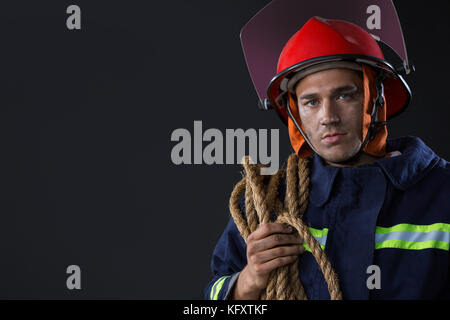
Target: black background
86,120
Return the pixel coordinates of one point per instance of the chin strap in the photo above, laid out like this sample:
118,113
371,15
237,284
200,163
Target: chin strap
289,112
373,127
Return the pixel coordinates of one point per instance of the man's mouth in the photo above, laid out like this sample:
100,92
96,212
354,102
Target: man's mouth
333,137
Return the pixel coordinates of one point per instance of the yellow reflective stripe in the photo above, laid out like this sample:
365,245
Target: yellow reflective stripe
308,249
211,294
320,235
415,228
437,231
413,237
217,287
318,232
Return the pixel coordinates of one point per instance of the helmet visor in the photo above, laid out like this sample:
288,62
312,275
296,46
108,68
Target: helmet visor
265,35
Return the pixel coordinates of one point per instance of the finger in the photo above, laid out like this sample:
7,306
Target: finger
278,252
269,228
277,263
275,240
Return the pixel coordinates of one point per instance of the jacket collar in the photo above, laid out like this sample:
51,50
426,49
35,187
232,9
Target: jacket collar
415,162
322,180
405,170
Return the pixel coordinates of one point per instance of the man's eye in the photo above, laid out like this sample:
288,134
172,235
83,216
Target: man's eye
345,96
311,103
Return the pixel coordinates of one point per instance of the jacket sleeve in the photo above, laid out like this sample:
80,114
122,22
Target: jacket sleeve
228,259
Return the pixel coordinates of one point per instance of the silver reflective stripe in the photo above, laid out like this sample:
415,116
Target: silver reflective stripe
434,235
322,240
320,235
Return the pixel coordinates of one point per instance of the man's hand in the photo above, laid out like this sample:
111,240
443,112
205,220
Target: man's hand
270,246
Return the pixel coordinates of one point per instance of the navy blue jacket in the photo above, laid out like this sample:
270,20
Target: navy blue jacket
393,214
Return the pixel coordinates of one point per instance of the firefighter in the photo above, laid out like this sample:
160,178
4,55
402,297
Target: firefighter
379,207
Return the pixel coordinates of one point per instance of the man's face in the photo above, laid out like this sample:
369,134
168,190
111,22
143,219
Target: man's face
331,102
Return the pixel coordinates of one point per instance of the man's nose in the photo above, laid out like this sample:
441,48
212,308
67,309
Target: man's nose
329,113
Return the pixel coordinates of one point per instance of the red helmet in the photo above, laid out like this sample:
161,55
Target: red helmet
324,40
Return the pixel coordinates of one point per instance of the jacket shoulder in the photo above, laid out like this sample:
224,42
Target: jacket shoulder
442,167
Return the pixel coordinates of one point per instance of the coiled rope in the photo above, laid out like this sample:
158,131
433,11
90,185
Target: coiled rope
261,198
